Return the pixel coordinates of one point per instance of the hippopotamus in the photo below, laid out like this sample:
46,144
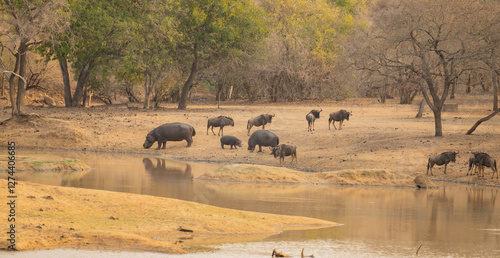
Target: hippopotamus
230,140
170,132
262,138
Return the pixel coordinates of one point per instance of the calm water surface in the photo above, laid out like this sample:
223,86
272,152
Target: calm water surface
453,221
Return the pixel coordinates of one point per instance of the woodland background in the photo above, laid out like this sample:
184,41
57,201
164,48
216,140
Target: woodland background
153,51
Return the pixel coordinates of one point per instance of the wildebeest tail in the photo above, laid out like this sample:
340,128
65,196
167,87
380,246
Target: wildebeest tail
471,162
248,124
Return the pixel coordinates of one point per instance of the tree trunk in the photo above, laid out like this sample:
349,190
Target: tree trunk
12,95
468,88
83,77
21,84
473,128
421,109
189,83
67,86
453,88
147,91
438,125
495,90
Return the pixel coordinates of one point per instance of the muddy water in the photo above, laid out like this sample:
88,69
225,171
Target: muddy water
455,220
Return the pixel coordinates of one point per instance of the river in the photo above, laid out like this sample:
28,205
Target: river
451,221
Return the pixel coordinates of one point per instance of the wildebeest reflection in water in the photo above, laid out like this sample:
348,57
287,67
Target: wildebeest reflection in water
163,170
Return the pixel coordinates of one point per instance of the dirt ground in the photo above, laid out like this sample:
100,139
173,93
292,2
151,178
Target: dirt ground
382,144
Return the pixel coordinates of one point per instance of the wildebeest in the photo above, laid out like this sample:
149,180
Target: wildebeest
481,160
220,122
310,117
170,132
259,120
262,138
472,164
284,150
338,116
441,159
230,140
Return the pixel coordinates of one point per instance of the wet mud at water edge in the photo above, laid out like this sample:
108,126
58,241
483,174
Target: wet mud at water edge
454,220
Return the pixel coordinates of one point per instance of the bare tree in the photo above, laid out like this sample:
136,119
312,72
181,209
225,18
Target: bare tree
427,38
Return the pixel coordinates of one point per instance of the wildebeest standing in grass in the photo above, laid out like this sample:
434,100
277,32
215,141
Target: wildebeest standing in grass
259,120
170,132
441,159
284,150
339,116
220,122
481,160
310,117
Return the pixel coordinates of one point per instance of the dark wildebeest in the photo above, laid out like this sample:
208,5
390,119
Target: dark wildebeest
219,121
230,140
338,116
259,120
441,159
284,150
262,138
481,160
313,115
170,132
472,164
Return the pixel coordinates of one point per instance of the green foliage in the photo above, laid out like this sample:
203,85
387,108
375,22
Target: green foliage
215,28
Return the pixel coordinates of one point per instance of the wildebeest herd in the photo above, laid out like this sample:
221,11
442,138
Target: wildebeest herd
478,161
266,138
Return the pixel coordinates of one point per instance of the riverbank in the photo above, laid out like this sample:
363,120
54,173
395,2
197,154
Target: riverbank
61,217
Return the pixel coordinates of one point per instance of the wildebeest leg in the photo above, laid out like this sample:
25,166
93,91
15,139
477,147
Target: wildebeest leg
445,165
221,129
248,134
429,167
333,123
340,124
213,130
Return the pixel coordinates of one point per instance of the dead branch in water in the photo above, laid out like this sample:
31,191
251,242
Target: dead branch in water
419,249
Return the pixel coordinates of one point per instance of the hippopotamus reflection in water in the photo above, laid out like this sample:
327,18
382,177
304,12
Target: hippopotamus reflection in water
162,169
170,132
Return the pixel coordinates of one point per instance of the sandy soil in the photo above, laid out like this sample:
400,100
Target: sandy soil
58,217
382,144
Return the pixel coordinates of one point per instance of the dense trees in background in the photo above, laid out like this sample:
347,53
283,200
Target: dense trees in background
283,49
279,50
24,25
